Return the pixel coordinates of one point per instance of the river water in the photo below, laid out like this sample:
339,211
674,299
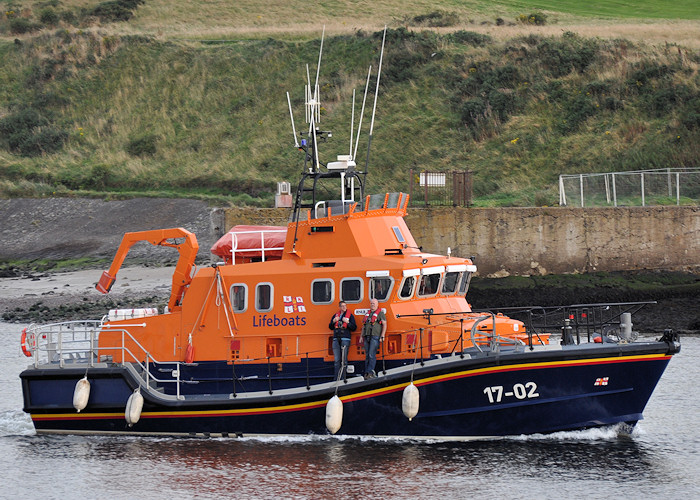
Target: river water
660,459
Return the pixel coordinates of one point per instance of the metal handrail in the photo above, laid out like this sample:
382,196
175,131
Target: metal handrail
43,341
262,249
66,342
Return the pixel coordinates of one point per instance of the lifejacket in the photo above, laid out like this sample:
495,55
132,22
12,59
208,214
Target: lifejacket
341,315
373,319
369,324
342,330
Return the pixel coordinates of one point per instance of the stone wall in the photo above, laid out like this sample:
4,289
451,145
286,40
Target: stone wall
503,241
556,240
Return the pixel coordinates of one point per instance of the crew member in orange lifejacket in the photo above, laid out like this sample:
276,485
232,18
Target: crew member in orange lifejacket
373,331
342,323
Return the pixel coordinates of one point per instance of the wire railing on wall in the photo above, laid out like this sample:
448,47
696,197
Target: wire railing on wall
668,186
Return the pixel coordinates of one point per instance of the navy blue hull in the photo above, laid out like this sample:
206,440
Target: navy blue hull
495,395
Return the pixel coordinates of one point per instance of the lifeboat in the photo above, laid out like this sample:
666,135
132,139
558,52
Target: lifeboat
245,346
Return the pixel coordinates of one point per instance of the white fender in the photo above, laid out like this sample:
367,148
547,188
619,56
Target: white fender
134,405
81,394
334,414
410,401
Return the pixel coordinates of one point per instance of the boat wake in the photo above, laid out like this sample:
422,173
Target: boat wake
607,433
15,423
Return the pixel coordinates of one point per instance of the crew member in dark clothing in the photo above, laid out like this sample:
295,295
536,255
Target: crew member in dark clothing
342,324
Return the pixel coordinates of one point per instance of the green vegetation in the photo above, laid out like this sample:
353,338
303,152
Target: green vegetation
90,112
682,9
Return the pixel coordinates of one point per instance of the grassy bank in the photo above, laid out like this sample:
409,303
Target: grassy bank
150,106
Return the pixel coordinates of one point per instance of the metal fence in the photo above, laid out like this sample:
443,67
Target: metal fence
669,186
440,188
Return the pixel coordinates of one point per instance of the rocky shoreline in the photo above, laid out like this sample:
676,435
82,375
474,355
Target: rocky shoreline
29,297
44,297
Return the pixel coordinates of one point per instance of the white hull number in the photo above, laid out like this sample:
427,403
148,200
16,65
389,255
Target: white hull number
520,391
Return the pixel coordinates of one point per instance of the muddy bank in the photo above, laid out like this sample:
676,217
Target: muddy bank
58,229
29,297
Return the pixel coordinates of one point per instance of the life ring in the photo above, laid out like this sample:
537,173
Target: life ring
25,345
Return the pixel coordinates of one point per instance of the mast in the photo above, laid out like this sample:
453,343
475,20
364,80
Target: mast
374,108
344,169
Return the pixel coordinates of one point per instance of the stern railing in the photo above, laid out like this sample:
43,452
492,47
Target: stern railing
75,343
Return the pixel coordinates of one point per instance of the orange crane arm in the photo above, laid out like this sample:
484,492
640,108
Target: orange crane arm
159,237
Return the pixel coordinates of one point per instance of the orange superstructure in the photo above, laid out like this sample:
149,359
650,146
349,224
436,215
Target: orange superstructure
278,309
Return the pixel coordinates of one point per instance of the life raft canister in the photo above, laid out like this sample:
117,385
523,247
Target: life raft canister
25,344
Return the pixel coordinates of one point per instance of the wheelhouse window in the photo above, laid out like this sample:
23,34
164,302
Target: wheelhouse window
464,285
239,297
428,285
449,284
409,283
380,288
351,289
322,291
263,297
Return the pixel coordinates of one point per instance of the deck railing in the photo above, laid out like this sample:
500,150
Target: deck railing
75,343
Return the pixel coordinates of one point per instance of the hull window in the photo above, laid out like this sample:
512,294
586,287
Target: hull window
351,289
322,291
239,297
263,297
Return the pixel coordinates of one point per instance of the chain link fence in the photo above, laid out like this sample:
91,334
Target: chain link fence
669,186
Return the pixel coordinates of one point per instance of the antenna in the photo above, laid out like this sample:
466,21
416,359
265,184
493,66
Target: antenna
352,121
318,67
294,130
359,127
307,95
313,104
376,93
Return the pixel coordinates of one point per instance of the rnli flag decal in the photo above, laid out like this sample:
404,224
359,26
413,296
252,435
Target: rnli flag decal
601,381
294,304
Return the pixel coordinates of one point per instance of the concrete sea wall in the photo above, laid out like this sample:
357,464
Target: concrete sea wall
503,241
552,240
560,240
